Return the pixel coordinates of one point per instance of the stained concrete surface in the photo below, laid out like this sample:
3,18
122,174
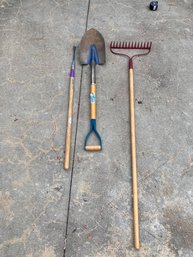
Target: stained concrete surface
35,52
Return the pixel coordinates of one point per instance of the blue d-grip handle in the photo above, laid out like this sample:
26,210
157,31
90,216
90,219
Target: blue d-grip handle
93,129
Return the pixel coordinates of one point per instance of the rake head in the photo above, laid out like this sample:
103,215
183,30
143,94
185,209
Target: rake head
146,46
131,45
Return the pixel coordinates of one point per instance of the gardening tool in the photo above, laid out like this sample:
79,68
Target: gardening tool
92,52
70,113
146,47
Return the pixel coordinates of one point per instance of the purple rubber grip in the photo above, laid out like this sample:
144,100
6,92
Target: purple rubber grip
72,73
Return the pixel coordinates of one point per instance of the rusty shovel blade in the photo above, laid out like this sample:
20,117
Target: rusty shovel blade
92,47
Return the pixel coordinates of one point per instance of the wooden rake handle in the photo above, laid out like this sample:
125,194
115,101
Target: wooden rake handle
69,125
133,161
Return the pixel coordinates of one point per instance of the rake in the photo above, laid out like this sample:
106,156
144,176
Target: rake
146,47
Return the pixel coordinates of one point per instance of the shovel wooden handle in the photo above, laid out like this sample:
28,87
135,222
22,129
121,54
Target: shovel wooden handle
133,161
93,101
93,128
69,125
93,148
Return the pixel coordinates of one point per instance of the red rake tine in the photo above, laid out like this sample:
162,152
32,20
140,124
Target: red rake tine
130,46
115,48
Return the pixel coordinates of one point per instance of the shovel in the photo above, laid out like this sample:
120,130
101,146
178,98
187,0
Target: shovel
92,52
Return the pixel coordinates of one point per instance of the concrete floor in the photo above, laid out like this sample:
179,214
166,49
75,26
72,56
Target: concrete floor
35,54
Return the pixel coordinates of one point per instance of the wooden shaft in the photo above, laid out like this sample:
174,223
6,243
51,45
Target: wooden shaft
69,125
93,101
93,148
134,162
